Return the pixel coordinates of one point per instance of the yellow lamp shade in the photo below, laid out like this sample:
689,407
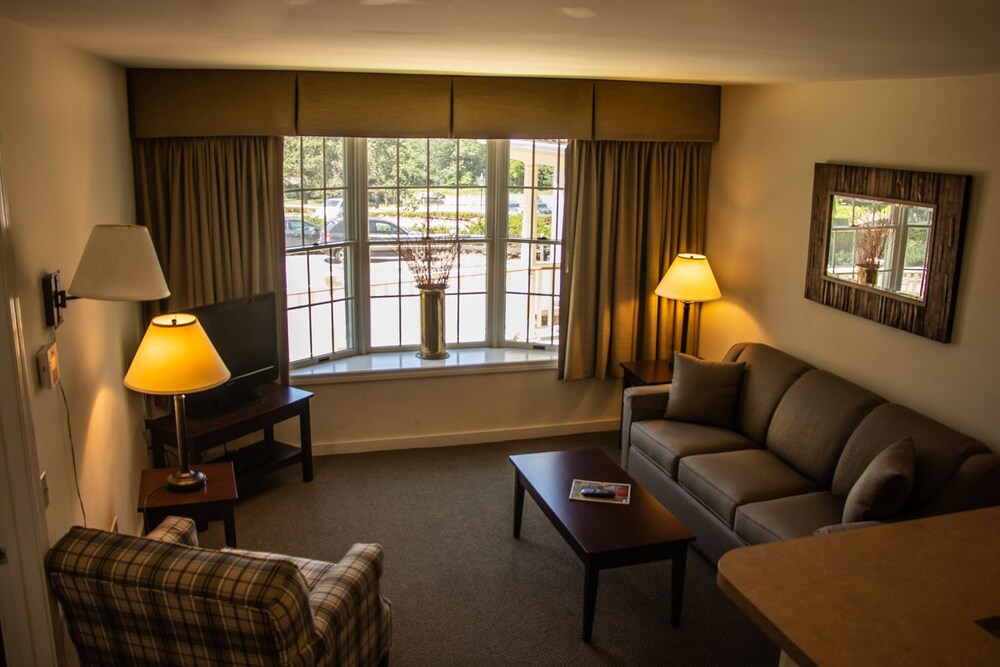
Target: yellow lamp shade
689,279
175,357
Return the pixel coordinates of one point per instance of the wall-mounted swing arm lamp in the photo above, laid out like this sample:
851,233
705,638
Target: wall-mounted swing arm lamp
688,280
119,263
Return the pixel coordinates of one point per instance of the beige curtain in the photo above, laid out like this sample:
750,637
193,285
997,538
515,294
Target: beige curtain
630,208
214,208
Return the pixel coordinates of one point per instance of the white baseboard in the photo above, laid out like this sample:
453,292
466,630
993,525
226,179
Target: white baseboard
463,438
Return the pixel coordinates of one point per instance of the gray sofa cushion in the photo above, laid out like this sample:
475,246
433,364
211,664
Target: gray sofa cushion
727,480
884,486
665,442
704,392
786,518
814,420
767,376
940,450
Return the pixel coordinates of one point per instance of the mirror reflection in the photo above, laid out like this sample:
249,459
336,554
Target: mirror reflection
881,244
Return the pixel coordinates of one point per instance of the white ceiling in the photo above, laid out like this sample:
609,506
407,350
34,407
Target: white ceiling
725,41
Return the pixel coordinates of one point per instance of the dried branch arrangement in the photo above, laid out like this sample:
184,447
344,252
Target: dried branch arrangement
430,260
870,241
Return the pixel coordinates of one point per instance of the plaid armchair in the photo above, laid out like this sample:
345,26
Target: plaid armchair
160,600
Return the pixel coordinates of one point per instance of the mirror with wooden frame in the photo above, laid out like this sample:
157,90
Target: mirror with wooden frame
885,244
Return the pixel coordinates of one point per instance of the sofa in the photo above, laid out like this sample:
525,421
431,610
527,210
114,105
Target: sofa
160,600
791,451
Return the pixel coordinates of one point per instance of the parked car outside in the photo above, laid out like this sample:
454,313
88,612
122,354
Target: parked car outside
378,231
542,207
432,197
333,209
301,233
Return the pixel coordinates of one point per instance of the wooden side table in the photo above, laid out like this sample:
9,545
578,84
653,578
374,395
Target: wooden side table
276,404
213,502
641,374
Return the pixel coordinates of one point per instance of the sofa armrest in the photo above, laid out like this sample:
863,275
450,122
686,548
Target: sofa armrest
639,403
351,616
175,530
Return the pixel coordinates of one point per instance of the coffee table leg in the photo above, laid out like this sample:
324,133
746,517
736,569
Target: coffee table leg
518,503
677,567
589,599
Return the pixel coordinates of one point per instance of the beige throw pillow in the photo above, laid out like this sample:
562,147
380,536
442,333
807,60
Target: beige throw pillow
884,486
704,392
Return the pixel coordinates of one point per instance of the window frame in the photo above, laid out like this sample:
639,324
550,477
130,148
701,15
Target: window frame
356,245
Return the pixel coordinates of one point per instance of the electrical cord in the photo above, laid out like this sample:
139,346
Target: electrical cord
72,451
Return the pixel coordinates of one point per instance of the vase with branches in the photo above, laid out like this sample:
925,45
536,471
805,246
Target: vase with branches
430,261
870,242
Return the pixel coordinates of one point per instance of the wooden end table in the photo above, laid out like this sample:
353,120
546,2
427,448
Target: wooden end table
213,502
602,535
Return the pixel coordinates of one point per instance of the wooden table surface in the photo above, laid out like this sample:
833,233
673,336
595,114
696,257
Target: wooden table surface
908,593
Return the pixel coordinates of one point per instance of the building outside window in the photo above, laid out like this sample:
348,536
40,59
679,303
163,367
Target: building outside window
351,203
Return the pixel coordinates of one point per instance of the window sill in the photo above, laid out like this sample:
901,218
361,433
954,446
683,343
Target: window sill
406,365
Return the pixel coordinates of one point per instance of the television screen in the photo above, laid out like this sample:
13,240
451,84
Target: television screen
244,332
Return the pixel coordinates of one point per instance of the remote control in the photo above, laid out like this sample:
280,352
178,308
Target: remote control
597,492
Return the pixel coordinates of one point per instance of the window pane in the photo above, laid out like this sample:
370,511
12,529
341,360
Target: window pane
541,319
312,162
334,162
297,280
413,162
471,318
469,273
291,173
341,331
443,154
382,155
322,330
384,271
517,267
384,322
298,334
383,203
410,307
472,163
516,318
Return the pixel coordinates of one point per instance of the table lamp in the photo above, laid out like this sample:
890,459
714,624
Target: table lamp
688,280
176,358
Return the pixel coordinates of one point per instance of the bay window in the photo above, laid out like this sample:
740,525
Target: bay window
351,203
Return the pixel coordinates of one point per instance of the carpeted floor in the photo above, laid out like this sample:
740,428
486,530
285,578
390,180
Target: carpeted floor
463,591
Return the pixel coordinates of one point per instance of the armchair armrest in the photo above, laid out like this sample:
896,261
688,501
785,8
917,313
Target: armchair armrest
349,610
639,403
175,530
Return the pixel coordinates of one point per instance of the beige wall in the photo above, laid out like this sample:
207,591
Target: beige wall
67,163
455,410
759,207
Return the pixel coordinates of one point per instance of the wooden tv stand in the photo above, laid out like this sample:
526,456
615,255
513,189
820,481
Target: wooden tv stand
277,403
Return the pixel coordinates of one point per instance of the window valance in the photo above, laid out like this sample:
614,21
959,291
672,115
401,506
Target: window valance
185,103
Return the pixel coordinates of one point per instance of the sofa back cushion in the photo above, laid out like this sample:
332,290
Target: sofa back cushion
939,450
767,375
813,421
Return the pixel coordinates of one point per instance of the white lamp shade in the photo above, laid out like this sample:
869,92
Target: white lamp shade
689,279
175,357
119,264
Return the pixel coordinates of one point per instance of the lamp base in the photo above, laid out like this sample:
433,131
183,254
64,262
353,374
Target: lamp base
186,480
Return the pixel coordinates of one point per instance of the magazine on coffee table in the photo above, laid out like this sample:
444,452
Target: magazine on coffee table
601,492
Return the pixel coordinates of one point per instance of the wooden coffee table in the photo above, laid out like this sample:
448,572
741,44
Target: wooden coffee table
603,535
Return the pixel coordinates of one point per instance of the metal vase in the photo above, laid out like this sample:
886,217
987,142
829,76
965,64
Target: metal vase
432,324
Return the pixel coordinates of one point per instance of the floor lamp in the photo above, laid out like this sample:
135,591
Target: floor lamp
176,358
688,280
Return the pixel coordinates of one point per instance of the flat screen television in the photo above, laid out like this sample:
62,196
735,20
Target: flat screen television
245,333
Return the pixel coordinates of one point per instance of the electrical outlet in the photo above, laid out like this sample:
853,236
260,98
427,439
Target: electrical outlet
114,524
43,478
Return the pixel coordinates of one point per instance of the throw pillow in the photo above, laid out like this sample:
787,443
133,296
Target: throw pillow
884,486
705,392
